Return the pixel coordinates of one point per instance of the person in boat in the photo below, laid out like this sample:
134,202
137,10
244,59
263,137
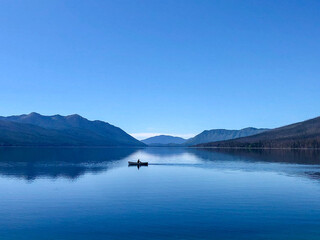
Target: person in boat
138,161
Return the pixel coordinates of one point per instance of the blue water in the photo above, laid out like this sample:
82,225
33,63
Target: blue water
91,193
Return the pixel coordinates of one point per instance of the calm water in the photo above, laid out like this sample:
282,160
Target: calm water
91,193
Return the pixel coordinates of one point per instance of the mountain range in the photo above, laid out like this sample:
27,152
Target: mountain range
73,130
304,134
164,140
203,137
222,134
37,130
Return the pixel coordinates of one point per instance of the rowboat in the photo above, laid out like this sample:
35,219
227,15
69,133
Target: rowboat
137,164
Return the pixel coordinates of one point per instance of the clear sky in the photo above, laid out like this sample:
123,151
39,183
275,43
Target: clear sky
157,66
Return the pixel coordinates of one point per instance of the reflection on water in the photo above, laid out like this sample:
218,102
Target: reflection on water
31,163
304,163
184,193
262,155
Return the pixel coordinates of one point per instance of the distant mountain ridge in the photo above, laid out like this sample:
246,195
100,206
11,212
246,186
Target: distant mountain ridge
204,137
37,130
164,140
222,134
304,134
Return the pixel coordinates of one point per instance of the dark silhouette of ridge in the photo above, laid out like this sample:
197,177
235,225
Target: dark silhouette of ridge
37,130
222,134
304,134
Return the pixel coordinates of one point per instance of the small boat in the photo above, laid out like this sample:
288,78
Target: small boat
138,163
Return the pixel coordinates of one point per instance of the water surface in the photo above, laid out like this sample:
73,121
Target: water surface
91,193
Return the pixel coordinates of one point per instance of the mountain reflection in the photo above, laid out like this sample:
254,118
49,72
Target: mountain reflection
296,156
297,162
303,163
165,151
32,163
71,163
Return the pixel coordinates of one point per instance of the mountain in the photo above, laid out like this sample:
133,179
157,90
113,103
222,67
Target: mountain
304,134
222,134
162,140
73,130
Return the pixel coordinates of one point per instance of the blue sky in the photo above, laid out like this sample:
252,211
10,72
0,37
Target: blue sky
175,67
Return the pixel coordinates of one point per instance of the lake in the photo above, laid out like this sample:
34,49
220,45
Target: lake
185,193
